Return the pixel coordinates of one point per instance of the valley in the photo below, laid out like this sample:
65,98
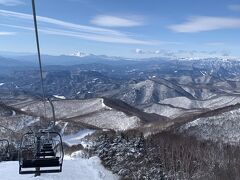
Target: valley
119,110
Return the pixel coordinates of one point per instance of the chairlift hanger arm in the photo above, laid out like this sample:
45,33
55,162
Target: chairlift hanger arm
39,53
53,111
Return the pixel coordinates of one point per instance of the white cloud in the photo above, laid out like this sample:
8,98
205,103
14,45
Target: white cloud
113,21
139,51
205,23
170,43
190,54
148,52
11,2
7,33
64,28
234,7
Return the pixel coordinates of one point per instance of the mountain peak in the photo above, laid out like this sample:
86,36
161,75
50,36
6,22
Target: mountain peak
79,54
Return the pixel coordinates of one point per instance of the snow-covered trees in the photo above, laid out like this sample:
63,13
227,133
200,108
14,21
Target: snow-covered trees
167,156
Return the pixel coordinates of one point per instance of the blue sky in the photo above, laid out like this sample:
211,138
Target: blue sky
129,28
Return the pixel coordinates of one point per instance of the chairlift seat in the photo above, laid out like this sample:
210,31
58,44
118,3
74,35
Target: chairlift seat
47,144
47,150
44,147
47,147
41,171
44,162
47,153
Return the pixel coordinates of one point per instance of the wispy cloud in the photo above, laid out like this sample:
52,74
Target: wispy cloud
114,21
205,23
147,52
214,43
59,23
95,37
234,7
7,33
11,2
64,28
190,54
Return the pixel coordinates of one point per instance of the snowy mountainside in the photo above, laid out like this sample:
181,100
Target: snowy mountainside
168,110
176,122
163,90
181,106
93,112
212,103
18,122
77,138
136,82
145,92
66,108
110,120
219,128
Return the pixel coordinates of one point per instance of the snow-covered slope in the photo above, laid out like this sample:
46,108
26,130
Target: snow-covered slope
75,165
16,123
113,119
147,91
222,128
65,108
77,138
91,111
73,169
212,103
182,106
166,110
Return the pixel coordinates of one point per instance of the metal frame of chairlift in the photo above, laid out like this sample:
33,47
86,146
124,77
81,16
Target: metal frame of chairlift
41,153
41,150
4,155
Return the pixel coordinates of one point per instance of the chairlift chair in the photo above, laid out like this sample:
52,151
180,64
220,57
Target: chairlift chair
43,156
42,151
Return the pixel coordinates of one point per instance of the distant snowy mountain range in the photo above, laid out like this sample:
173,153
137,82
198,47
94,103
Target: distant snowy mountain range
79,57
80,54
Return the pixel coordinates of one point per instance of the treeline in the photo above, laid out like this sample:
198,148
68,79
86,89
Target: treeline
167,156
8,153
183,157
